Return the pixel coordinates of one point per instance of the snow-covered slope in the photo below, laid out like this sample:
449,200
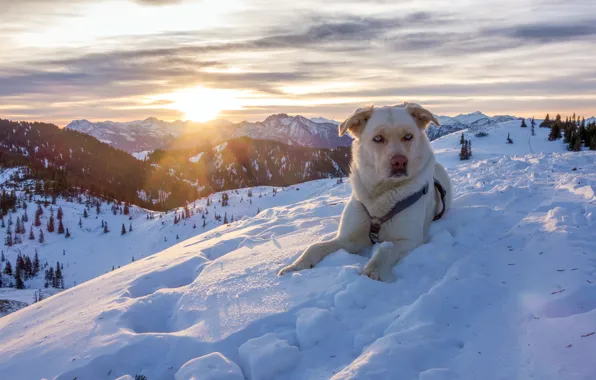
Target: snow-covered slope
504,289
463,121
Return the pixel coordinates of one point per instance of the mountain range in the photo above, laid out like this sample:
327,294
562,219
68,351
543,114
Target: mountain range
151,133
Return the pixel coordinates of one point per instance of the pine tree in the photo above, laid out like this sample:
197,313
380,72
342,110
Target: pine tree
8,268
130,227
225,221
3,225
31,235
36,265
126,209
85,215
546,122
8,240
592,145
51,223
2,258
123,230
60,227
25,217
41,237
37,221
58,279
67,234
60,213
97,209
509,141
80,223
105,228
555,132
533,124
204,223
523,123
19,284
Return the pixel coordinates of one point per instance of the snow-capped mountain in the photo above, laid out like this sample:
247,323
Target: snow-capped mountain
508,273
472,120
295,130
140,135
318,132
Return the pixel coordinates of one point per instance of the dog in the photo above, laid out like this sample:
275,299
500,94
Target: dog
392,165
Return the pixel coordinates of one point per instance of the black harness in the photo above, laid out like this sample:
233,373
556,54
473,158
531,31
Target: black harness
375,223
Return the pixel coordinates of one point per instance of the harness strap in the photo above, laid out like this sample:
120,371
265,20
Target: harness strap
442,193
375,223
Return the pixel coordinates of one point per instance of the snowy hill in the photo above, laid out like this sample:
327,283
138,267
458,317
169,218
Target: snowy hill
503,290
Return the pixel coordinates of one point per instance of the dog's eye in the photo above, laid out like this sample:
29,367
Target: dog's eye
408,137
378,139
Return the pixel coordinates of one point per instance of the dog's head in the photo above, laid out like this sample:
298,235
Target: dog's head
391,140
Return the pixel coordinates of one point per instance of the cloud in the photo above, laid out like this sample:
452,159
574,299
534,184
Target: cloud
548,32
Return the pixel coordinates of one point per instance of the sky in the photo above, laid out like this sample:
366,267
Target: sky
123,60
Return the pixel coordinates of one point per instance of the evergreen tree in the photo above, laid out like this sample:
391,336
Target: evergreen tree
533,124
60,213
130,227
8,241
67,234
97,209
249,193
509,141
523,123
105,228
546,122
58,279
2,258
60,227
85,215
80,223
555,132
37,221
41,237
123,230
8,268
25,217
204,223
19,284
36,265
51,223
31,235
3,225
225,221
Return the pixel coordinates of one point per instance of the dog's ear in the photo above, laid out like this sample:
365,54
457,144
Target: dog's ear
421,115
356,121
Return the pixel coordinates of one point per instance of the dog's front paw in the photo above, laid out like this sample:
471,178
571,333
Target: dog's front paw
372,271
288,269
294,267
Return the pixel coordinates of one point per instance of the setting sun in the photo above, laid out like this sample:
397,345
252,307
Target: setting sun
202,104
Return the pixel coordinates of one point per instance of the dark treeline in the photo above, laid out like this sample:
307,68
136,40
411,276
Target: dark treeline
575,132
246,162
70,161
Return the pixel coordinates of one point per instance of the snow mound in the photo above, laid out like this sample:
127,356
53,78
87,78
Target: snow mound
267,356
313,325
213,366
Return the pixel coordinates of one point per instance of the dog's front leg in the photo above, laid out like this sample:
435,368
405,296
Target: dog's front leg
384,258
312,255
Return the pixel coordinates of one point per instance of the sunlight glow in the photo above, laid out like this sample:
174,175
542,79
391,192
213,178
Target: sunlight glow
202,104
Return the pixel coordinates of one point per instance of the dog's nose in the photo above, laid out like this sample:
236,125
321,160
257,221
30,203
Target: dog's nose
399,161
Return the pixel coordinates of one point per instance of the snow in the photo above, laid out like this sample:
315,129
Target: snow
142,156
212,366
313,325
267,356
504,288
196,158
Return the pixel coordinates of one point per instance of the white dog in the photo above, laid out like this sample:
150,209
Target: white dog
398,189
